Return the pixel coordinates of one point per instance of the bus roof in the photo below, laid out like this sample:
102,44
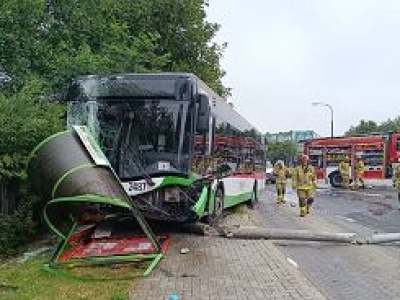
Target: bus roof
169,75
140,85
128,85
224,111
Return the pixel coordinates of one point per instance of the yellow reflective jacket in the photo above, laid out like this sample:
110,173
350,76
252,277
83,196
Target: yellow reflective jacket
344,168
304,178
360,167
281,173
396,175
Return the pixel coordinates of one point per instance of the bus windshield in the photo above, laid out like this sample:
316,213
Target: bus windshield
145,136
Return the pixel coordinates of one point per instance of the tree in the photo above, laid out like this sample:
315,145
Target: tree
25,120
57,40
390,125
281,151
184,34
372,126
363,127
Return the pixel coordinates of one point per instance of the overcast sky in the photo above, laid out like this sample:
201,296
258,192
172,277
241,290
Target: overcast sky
283,55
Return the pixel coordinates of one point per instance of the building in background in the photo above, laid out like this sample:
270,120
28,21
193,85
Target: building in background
293,136
287,152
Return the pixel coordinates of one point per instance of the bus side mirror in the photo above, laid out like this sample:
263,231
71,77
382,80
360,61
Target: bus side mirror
203,114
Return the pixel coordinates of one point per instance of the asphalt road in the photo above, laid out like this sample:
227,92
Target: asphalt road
342,271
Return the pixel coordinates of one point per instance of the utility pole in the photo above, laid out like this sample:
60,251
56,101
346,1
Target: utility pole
330,108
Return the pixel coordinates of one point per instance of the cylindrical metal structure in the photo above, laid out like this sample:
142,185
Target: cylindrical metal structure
65,175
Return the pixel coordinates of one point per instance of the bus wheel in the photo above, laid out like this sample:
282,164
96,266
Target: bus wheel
218,202
255,192
335,179
254,196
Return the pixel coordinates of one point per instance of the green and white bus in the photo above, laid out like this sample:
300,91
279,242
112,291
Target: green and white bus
182,152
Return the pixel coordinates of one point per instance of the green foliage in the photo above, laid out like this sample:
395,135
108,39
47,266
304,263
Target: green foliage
188,38
119,296
28,281
59,40
363,127
372,126
390,125
25,120
281,151
16,230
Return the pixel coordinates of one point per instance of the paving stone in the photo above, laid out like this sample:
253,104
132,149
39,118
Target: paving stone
225,269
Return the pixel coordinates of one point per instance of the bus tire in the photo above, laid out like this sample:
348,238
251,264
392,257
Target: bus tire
218,202
335,179
254,196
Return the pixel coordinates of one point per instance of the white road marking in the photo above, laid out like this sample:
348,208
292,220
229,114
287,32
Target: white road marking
292,262
347,219
361,193
372,195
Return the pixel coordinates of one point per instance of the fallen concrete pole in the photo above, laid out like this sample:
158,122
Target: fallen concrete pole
287,234
383,238
197,228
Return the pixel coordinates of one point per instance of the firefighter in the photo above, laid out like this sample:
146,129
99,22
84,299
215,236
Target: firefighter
396,181
344,169
200,165
305,182
359,173
281,174
248,166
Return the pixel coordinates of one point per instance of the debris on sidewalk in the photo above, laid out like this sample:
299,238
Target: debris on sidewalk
174,296
33,253
185,250
197,228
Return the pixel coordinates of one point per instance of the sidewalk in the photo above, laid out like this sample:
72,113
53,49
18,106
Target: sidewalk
219,268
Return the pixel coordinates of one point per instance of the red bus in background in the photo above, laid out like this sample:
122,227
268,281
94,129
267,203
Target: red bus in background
380,153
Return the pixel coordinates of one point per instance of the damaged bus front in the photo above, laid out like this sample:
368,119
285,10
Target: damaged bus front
162,134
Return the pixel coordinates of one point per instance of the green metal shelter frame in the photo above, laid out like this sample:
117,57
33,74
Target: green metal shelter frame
70,169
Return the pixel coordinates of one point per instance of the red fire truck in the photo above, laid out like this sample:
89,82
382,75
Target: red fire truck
380,153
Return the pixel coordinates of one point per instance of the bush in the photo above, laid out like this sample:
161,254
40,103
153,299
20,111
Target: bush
26,118
16,230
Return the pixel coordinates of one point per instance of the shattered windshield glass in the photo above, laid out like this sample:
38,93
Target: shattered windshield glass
145,136
142,123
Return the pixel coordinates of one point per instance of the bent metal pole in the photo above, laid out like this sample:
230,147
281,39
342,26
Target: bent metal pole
287,234
383,238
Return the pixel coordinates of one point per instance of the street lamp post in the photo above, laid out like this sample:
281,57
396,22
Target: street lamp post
331,109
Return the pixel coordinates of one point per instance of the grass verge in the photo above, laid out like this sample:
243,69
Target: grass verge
23,281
